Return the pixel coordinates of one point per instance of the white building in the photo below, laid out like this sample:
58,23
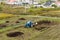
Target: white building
17,1
13,2
21,1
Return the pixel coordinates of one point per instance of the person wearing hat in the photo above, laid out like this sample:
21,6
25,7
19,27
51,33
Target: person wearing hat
28,24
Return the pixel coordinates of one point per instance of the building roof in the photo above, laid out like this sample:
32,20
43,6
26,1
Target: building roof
48,3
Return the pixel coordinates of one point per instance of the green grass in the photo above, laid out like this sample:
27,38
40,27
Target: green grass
52,12
27,17
30,33
35,14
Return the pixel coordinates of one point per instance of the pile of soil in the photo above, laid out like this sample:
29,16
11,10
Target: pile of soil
22,19
14,34
3,25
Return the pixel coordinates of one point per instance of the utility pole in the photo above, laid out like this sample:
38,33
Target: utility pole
25,6
21,2
32,2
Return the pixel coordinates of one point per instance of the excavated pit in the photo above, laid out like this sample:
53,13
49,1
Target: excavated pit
40,28
14,34
7,21
43,24
17,22
3,25
22,19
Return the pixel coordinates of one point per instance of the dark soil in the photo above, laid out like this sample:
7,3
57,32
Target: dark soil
14,34
40,28
44,22
17,22
7,21
3,25
22,19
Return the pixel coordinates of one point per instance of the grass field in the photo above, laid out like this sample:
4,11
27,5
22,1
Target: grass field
11,21
51,33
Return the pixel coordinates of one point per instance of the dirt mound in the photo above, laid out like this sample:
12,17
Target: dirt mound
3,25
22,19
14,34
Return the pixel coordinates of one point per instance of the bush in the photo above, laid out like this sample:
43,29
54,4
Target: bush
54,5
